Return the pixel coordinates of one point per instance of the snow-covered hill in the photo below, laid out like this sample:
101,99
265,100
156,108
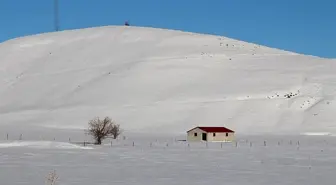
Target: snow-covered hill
155,80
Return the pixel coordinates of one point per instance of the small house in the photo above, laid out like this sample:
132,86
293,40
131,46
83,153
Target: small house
211,134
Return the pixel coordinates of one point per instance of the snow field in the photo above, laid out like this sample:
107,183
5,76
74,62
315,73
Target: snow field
313,162
158,84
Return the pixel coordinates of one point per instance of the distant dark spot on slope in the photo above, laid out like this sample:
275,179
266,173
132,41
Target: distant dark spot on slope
290,95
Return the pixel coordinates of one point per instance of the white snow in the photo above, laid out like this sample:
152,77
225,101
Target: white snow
158,83
42,145
148,79
317,134
281,162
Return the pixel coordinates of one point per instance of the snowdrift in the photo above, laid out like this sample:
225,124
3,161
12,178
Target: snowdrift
41,145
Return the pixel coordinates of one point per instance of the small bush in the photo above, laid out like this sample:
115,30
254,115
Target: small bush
52,178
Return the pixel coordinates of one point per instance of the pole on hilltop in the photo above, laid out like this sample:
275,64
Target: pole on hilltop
56,23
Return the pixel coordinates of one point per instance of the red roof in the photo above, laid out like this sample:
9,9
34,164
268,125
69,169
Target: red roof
214,129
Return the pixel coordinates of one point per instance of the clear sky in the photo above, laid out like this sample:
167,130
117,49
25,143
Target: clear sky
303,26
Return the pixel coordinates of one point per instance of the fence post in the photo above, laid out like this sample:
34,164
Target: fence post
7,136
326,142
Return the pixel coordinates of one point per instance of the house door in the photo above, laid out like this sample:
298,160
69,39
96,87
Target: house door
204,136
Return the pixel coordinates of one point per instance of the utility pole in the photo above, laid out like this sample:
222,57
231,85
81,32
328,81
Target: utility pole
56,15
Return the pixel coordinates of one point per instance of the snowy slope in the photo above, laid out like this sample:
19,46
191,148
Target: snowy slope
146,79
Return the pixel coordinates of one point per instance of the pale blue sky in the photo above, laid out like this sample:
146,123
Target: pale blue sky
304,26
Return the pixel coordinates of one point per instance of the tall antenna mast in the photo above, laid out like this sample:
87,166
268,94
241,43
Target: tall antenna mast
56,15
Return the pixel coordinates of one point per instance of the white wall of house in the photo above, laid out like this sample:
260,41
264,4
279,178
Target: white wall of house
191,135
221,136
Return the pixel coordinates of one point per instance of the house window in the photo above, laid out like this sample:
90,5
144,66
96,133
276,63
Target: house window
227,134
214,134
195,134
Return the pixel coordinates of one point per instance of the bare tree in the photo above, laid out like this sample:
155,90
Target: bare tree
116,131
101,129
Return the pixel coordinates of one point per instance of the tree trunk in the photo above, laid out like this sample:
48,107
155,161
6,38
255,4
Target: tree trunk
99,141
